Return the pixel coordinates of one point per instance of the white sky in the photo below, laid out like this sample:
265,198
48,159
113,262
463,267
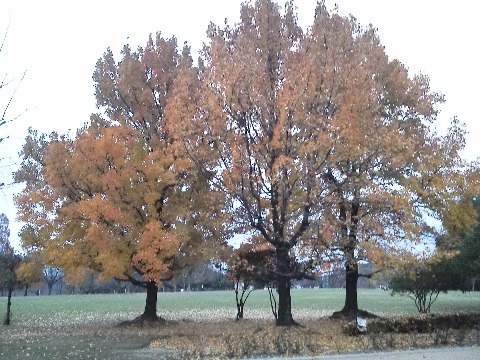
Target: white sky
59,42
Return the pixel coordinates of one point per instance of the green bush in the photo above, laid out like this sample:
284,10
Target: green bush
424,280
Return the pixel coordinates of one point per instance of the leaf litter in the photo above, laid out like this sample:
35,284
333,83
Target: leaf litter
215,334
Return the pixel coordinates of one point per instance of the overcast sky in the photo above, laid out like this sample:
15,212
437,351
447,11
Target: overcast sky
59,42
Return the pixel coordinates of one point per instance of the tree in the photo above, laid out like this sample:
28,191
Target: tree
9,261
120,199
51,275
469,257
203,276
461,242
323,141
254,119
386,169
5,82
250,266
423,280
8,86
30,272
193,275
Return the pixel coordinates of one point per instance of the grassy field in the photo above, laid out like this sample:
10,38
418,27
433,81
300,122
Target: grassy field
83,326
69,310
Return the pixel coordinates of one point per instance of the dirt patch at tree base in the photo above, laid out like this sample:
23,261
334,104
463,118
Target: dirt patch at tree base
143,322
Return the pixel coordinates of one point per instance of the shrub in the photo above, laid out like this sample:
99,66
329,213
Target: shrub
424,280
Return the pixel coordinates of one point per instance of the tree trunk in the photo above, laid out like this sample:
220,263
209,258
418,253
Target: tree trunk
26,290
239,300
150,313
284,313
350,308
9,306
239,311
284,317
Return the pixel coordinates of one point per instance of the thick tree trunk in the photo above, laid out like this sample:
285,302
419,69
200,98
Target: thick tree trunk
284,317
150,313
350,308
284,313
9,306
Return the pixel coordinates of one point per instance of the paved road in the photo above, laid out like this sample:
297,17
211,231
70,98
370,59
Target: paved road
447,353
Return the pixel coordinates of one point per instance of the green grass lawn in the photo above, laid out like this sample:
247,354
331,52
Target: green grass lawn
83,326
113,308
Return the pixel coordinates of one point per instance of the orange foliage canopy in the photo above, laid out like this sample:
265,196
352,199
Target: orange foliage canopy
324,142
305,141
123,197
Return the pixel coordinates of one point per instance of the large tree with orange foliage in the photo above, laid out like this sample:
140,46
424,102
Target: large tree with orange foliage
122,199
323,141
256,120
388,173
316,140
